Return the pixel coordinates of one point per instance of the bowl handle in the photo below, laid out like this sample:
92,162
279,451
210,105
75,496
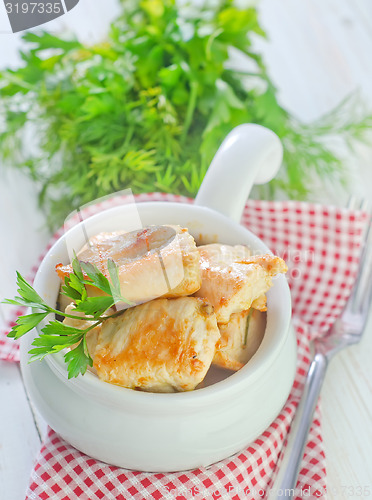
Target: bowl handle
250,154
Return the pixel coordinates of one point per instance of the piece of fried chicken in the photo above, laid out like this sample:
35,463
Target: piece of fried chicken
233,280
164,345
158,261
240,339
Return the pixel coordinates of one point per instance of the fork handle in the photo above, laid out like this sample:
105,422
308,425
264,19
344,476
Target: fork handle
285,482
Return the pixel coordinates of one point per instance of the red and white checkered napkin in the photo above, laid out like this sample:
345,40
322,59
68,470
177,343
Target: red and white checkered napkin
321,246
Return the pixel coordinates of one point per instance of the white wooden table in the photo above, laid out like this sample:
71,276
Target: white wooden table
319,51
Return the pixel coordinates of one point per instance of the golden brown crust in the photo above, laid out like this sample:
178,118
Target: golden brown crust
162,346
232,284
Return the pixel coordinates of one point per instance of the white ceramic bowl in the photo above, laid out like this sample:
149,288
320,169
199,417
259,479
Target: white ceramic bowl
178,431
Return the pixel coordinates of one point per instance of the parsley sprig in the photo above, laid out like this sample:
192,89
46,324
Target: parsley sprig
56,336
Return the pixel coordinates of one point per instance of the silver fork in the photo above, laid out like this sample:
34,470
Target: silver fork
347,330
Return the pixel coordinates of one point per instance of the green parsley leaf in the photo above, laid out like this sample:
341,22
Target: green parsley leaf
96,278
78,360
95,306
28,296
56,328
114,275
115,283
45,345
74,287
55,337
99,280
26,323
76,266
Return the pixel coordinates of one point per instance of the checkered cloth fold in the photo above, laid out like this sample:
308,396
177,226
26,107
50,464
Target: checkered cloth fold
321,246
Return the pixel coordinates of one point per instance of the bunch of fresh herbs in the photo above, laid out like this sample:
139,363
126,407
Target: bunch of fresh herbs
148,108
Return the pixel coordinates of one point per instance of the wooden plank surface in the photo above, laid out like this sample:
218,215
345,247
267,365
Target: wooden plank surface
19,439
318,52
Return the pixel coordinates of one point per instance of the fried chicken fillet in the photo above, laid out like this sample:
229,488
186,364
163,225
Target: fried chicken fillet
158,261
165,345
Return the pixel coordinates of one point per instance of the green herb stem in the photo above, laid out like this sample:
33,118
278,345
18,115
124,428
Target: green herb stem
72,316
190,110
